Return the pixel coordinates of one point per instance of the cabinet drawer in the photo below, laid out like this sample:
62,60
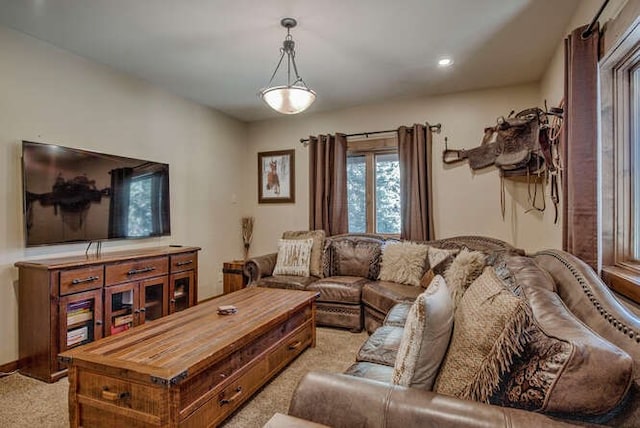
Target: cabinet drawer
229,398
120,396
185,261
82,279
290,348
135,270
195,390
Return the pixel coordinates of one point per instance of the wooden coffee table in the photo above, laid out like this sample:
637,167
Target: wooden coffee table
192,368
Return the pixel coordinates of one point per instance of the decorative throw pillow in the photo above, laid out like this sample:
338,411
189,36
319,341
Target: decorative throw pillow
440,259
353,256
490,329
465,268
562,353
293,257
403,262
315,264
425,338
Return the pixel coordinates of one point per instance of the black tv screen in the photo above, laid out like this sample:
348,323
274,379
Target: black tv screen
73,195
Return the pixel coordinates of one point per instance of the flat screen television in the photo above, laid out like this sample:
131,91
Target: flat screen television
73,195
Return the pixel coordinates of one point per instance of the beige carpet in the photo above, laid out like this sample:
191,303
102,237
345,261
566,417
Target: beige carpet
25,402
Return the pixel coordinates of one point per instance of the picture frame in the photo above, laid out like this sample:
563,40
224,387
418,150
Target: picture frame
276,177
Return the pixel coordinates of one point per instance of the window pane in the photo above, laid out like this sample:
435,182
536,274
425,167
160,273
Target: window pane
387,193
356,193
140,210
635,147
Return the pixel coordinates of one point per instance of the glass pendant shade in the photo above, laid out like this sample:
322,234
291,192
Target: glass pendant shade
288,99
295,96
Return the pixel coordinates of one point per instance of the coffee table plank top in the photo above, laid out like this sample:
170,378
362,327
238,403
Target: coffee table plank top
180,345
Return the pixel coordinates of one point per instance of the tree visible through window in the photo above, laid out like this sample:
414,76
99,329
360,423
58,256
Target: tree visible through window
140,222
387,194
373,190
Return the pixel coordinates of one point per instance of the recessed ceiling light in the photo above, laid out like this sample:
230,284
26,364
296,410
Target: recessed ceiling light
445,62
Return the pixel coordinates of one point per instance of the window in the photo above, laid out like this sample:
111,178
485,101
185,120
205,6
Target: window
620,139
373,187
144,209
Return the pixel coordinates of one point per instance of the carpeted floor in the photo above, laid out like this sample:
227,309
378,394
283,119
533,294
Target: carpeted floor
25,402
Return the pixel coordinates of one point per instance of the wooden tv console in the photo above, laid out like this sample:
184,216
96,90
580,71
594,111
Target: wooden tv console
191,369
70,301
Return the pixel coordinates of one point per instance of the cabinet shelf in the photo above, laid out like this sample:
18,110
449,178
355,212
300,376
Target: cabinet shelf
152,304
119,312
79,324
48,284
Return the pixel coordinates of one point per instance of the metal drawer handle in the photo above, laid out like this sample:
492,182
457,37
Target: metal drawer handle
87,279
295,345
187,262
232,398
113,396
143,270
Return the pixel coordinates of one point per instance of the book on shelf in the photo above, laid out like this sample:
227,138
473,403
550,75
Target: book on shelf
123,319
79,306
79,316
77,335
119,329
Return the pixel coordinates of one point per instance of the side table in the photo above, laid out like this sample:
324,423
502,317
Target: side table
233,277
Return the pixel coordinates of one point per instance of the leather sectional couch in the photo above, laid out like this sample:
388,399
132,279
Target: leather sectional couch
351,296
582,370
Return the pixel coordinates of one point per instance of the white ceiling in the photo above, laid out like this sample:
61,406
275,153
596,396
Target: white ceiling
352,52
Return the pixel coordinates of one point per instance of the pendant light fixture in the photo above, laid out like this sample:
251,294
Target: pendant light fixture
293,97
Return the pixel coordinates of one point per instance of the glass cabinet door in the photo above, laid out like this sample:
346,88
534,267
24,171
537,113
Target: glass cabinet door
181,293
121,308
80,318
153,299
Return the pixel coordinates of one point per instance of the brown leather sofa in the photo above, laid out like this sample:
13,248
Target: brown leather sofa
599,339
351,296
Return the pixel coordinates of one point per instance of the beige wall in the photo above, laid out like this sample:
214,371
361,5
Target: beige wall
552,83
464,202
52,96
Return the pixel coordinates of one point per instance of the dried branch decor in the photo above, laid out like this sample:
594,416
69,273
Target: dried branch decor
247,234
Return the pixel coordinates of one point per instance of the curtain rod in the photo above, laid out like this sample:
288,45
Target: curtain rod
586,33
435,128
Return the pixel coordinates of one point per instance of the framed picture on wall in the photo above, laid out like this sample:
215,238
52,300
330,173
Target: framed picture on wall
276,177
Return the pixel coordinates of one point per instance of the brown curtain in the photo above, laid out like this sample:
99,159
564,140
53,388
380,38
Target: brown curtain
414,153
579,146
328,184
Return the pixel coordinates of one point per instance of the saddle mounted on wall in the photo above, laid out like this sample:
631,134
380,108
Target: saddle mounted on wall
523,147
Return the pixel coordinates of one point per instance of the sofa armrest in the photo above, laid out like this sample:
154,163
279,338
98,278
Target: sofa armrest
257,267
340,400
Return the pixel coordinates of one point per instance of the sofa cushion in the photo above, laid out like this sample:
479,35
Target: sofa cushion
340,289
318,236
565,361
441,258
382,346
353,256
294,256
490,329
426,279
464,269
403,262
371,371
286,281
425,338
383,295
397,316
